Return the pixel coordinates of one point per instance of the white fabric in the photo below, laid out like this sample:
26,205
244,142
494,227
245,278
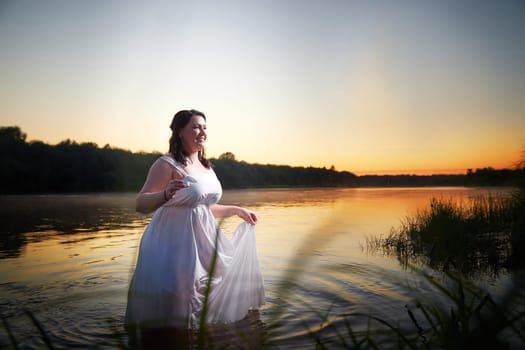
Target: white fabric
176,251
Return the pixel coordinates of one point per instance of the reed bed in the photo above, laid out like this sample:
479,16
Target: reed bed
485,235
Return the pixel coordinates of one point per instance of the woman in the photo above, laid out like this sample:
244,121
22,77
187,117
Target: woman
170,282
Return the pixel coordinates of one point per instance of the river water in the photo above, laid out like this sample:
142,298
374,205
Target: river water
67,260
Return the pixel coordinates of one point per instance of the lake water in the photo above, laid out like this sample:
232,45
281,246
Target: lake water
68,260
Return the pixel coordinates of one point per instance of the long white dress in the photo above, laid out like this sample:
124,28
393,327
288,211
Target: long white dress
176,251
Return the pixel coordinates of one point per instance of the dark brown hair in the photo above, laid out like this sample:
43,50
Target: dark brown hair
177,151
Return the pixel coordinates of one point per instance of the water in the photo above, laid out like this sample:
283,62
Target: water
68,260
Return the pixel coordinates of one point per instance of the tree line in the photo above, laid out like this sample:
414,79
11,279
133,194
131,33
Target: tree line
480,177
36,167
70,167
239,174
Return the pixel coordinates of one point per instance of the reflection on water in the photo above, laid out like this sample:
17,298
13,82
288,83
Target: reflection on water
37,217
68,259
248,333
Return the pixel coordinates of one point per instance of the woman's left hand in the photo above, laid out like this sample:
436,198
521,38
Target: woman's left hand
247,215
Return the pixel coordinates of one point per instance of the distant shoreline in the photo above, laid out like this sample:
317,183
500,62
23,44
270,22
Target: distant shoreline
69,167
131,192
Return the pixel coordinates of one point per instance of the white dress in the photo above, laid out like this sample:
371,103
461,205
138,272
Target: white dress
176,251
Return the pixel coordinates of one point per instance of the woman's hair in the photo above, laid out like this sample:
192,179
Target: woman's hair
177,151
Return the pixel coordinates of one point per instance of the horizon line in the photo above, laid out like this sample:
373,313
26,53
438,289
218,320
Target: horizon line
418,172
381,172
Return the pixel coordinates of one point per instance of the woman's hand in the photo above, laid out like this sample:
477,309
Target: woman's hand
172,187
247,215
224,211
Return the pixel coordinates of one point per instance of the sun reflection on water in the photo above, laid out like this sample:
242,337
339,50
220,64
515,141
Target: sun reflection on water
70,260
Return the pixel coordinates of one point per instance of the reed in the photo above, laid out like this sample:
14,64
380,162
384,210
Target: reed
482,236
468,318
32,321
201,337
459,315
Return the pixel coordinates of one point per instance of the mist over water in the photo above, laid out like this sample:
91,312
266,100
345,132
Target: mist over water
68,259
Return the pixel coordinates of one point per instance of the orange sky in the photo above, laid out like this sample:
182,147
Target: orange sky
369,87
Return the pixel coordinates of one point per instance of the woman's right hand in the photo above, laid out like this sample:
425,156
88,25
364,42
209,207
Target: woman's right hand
161,184
172,187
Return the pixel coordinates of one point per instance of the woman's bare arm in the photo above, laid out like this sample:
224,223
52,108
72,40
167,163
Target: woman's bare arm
221,211
154,192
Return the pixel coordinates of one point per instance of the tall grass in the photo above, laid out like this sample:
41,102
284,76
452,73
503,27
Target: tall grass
469,318
485,235
32,320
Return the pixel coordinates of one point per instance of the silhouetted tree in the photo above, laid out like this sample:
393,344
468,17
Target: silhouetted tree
12,134
227,155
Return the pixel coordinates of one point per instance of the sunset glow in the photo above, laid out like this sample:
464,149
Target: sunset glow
371,87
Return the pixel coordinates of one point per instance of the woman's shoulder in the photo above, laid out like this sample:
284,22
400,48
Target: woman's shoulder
162,162
166,158
168,161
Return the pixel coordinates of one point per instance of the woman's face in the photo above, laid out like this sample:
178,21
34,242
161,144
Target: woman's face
193,135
